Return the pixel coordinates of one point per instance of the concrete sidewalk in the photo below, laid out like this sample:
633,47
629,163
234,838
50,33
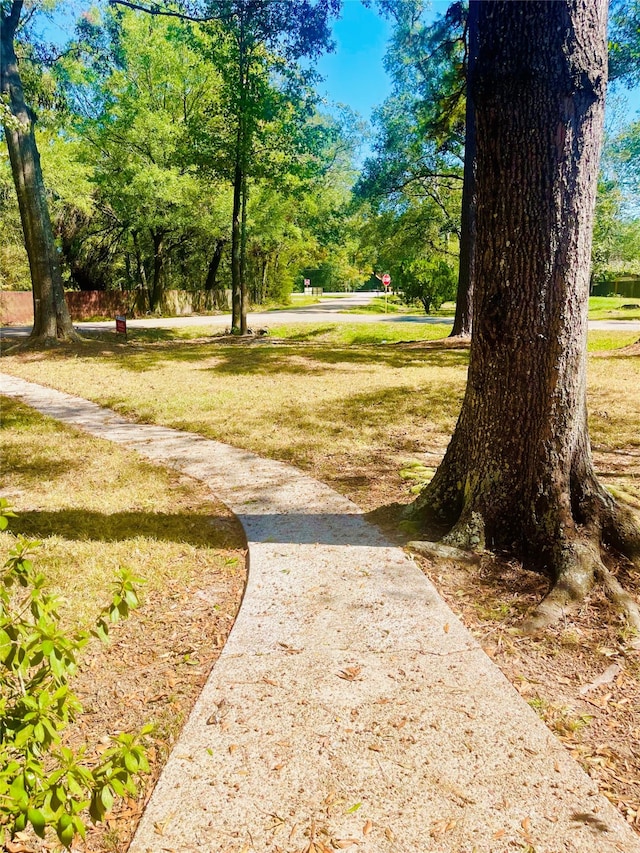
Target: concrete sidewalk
349,709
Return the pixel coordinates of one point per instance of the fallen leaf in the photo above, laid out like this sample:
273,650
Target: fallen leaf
368,826
446,628
499,833
343,843
350,673
18,847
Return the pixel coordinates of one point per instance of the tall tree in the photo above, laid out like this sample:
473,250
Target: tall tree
466,268
624,47
261,43
153,198
518,476
51,317
430,64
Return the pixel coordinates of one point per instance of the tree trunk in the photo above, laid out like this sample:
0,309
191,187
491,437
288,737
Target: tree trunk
51,320
244,289
214,265
142,273
462,322
238,307
157,282
518,476
236,272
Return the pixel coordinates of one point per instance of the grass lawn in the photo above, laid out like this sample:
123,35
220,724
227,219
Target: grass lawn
610,308
600,308
354,405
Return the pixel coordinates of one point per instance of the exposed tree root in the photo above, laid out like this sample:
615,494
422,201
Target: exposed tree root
439,550
621,599
40,342
574,559
576,574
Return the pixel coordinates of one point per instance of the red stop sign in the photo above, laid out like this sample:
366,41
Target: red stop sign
386,279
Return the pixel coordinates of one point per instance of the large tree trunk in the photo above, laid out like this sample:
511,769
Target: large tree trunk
51,320
518,476
466,271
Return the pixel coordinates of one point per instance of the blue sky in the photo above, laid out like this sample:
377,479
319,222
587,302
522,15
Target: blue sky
354,73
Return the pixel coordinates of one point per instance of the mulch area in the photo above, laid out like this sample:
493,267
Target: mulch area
153,670
582,676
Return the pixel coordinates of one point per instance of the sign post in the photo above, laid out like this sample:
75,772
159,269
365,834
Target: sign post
121,325
386,280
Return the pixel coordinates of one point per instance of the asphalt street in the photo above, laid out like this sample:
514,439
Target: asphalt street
332,309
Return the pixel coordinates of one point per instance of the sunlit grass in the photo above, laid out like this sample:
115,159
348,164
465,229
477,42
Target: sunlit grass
610,308
600,340
332,399
362,334
390,304
97,507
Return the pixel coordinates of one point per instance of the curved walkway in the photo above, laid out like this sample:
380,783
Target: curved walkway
349,707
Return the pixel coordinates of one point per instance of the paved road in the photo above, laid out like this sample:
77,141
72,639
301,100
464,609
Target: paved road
331,310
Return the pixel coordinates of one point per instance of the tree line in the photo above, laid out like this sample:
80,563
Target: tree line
186,147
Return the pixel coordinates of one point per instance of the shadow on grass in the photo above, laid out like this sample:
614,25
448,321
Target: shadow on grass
204,531
385,412
300,355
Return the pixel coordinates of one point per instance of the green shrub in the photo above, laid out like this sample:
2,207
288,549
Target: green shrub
43,782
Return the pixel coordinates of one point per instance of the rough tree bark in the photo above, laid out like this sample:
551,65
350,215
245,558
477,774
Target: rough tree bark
51,320
518,476
466,270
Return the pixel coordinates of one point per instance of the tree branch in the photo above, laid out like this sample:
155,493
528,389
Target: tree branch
155,9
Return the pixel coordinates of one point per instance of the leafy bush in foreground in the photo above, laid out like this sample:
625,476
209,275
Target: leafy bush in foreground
42,782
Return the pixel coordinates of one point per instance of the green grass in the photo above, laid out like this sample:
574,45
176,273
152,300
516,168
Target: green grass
600,340
296,300
358,334
395,305
610,308
379,305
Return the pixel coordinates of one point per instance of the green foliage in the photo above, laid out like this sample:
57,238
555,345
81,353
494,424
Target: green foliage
430,282
605,227
624,41
42,782
412,185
